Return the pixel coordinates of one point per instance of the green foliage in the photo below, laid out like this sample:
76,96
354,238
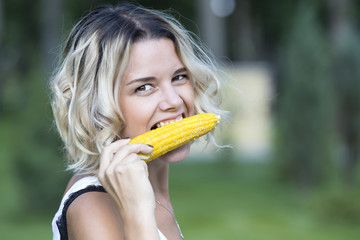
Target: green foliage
33,158
306,107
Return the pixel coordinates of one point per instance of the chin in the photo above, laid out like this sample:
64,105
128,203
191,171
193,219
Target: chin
176,155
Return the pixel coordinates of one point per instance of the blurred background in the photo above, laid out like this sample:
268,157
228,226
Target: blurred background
292,85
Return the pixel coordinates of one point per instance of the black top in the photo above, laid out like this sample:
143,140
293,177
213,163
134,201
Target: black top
61,222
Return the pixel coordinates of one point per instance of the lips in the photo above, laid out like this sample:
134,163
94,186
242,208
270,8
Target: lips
167,121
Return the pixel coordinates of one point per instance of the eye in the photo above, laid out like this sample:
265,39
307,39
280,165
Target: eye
180,77
143,88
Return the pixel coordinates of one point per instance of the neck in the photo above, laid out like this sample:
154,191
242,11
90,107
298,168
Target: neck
159,178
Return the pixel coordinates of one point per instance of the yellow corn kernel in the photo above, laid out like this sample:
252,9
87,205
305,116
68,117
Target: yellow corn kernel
176,134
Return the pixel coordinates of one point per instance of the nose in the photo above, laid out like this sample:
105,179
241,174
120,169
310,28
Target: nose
171,99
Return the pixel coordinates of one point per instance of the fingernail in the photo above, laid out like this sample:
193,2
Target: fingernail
150,145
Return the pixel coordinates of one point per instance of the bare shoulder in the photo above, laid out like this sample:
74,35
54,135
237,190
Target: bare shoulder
93,215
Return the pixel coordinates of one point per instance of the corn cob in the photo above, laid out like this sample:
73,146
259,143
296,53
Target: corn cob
176,134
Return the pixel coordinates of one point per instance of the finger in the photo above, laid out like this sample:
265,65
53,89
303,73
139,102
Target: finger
112,148
122,150
108,152
132,168
130,162
125,169
128,149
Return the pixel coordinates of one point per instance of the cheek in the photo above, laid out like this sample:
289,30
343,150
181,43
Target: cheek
189,98
136,115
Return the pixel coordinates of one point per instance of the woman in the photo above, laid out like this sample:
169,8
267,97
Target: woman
125,70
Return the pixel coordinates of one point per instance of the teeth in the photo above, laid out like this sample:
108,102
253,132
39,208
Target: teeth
161,124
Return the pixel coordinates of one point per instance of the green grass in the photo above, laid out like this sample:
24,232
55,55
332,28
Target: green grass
227,201
243,201
30,227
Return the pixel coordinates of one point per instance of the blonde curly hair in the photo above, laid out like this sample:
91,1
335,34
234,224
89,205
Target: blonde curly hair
85,88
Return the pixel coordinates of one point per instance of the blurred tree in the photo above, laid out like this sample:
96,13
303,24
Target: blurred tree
37,158
1,20
212,28
1,51
25,113
305,118
51,27
245,31
258,27
346,48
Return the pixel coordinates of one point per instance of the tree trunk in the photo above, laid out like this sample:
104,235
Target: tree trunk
345,44
212,29
243,27
2,58
339,21
51,25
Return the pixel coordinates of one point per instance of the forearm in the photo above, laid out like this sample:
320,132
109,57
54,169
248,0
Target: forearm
125,177
140,226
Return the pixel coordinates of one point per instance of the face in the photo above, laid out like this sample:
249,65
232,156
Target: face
155,89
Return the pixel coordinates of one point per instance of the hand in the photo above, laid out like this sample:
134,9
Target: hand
125,177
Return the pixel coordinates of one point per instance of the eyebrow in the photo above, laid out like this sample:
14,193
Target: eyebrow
147,79
180,70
